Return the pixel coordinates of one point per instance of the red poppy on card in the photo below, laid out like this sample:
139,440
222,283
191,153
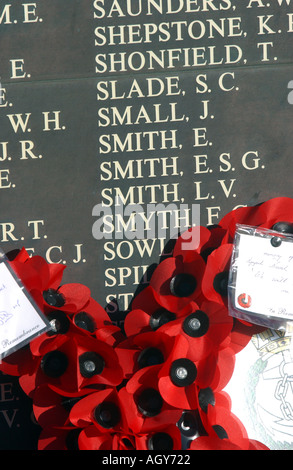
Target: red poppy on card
216,276
165,439
177,282
146,408
148,314
143,350
205,329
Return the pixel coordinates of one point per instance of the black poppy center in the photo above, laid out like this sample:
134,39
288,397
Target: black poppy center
205,398
183,285
85,322
183,372
90,364
71,440
160,441
161,317
284,227
188,424
54,364
107,414
53,298
196,324
68,402
149,402
220,431
59,322
221,283
150,357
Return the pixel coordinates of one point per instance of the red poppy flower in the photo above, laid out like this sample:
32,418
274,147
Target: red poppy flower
74,366
220,422
177,282
85,322
91,438
202,240
242,333
103,409
91,317
208,397
278,214
216,276
43,281
70,297
205,329
143,350
212,443
148,314
146,409
36,274
59,438
110,334
256,445
180,377
253,216
191,241
50,408
165,439
18,363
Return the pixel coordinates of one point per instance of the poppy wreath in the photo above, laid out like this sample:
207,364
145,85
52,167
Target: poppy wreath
159,382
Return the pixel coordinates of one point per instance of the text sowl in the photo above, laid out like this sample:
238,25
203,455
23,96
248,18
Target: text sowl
227,188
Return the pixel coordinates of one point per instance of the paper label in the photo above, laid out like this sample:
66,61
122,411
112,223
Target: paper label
20,319
264,281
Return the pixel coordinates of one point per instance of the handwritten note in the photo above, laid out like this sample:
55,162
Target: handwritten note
20,319
264,281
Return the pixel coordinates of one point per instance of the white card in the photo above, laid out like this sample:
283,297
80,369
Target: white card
20,319
264,279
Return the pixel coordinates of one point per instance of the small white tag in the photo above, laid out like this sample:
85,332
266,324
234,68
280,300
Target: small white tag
264,280
20,318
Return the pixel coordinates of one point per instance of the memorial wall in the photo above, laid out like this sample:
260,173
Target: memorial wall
124,122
